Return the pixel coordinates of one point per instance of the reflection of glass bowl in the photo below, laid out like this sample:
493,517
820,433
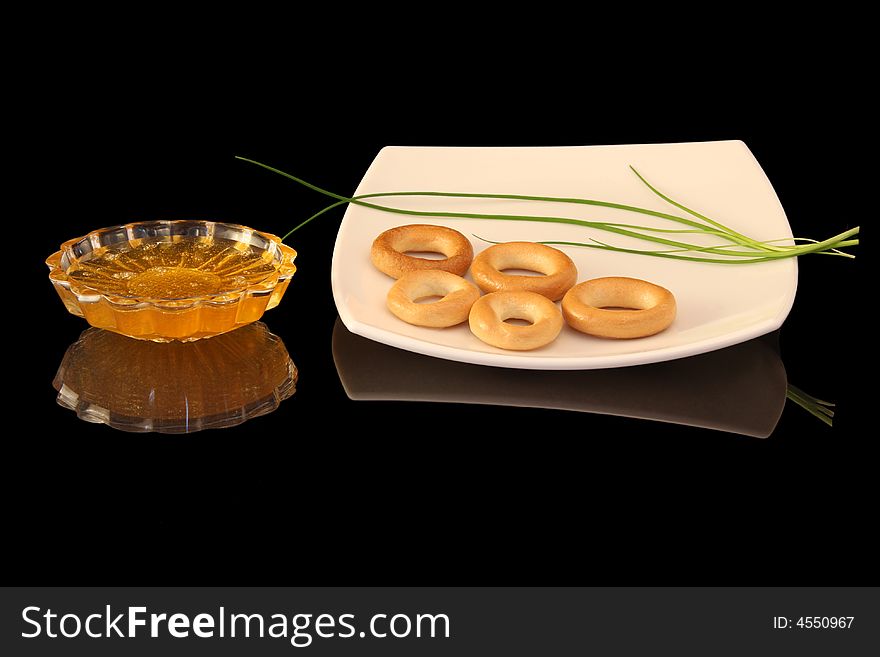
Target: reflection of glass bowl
137,385
172,280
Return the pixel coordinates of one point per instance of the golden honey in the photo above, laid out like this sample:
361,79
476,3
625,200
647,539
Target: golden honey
171,270
172,280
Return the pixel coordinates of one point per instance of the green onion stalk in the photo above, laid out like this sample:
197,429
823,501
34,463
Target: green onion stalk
824,410
732,247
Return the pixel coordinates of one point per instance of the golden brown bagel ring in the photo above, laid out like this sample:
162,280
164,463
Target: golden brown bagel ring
389,257
458,297
489,312
583,307
558,269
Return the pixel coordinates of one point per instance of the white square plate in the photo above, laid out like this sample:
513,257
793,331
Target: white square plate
718,304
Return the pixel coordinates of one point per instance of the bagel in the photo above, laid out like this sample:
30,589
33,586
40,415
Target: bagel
388,253
559,272
652,307
488,313
458,297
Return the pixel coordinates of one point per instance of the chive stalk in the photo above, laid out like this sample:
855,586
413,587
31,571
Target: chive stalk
824,410
755,251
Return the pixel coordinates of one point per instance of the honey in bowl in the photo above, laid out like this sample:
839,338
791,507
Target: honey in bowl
172,280
171,270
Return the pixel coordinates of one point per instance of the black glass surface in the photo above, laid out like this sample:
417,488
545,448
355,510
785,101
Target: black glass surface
552,489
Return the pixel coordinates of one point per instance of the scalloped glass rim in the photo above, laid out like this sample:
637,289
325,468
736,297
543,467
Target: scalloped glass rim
172,318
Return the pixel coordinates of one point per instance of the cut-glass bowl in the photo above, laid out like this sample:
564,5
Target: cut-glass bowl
172,280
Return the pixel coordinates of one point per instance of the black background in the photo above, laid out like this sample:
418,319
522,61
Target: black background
328,490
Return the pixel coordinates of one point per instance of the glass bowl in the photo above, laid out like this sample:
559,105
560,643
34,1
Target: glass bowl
172,280
181,387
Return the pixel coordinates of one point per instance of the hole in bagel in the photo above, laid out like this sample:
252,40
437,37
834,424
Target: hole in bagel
618,308
431,298
521,272
518,321
426,255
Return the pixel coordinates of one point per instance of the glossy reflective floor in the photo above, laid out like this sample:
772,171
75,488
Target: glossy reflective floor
142,386
175,387
748,399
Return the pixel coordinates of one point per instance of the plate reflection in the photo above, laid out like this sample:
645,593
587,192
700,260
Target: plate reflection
741,389
175,387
